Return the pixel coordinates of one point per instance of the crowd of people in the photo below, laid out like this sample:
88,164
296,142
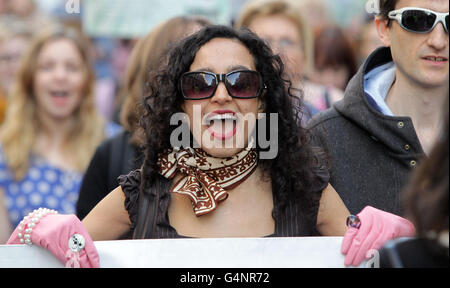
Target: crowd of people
362,129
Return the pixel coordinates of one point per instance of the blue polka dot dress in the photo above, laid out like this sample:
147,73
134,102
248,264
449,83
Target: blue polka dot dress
43,186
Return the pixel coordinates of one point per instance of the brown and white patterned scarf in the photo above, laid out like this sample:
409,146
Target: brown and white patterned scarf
206,178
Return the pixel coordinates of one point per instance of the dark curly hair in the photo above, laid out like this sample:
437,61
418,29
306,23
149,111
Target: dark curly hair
291,172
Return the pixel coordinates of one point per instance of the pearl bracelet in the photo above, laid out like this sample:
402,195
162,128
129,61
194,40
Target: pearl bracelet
25,227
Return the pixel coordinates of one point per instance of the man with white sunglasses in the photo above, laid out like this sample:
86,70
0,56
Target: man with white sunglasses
391,114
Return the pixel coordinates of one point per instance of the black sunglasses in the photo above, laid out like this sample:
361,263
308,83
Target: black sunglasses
244,84
419,20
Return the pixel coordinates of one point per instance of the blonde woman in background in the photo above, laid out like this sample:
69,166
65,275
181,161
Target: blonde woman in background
51,128
281,24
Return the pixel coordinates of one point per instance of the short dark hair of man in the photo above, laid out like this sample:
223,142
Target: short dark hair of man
387,6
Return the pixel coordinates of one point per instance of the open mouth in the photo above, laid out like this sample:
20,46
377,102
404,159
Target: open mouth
222,126
59,97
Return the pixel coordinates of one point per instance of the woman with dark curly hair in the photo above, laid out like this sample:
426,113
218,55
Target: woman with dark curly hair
290,185
121,154
217,181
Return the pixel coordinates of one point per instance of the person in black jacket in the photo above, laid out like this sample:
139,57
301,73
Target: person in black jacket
121,154
391,114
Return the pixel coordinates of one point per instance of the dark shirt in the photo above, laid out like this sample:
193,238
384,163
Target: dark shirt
114,157
414,253
291,223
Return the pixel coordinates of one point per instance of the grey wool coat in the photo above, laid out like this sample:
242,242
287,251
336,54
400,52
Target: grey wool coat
370,155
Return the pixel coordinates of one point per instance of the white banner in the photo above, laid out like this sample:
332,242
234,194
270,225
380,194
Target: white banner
315,252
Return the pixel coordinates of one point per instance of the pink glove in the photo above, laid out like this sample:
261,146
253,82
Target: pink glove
377,227
63,235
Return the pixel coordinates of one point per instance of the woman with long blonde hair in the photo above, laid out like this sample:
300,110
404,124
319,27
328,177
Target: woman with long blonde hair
52,127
